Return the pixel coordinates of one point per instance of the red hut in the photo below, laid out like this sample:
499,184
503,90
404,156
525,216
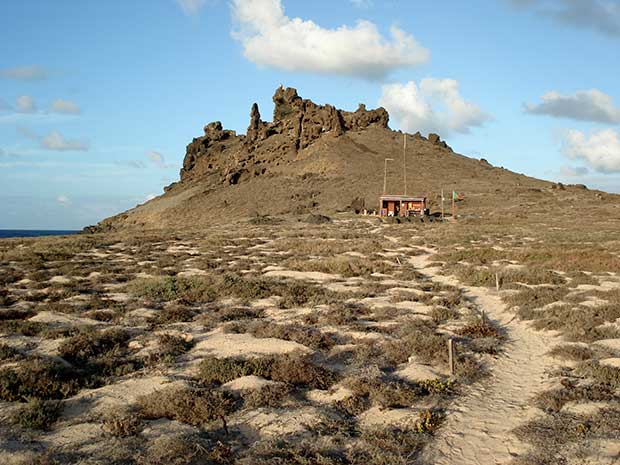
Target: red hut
402,205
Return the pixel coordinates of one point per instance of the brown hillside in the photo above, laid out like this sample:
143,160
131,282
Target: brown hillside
315,158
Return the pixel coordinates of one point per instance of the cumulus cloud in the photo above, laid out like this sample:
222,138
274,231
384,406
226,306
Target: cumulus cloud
271,39
158,160
191,7
57,142
25,73
599,149
25,104
436,105
602,16
585,105
65,107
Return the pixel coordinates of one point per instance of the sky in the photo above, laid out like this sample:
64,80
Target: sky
98,99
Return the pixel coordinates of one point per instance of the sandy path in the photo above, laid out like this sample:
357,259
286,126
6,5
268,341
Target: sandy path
478,427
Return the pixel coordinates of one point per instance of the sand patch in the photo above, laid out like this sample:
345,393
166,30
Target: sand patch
192,272
420,372
378,417
611,362
248,383
63,319
327,397
613,344
303,275
234,345
94,402
263,423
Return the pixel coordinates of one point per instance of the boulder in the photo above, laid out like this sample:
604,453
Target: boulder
358,204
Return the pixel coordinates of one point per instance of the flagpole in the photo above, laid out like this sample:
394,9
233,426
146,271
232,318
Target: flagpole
442,199
453,206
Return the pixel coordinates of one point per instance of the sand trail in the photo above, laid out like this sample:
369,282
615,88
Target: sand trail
478,427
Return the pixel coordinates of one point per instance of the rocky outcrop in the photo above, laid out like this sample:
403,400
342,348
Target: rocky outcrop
436,140
297,124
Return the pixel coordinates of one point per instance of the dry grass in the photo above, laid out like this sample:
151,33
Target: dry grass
572,352
197,407
294,369
120,423
270,395
8,353
390,392
482,328
166,289
188,449
345,266
91,343
305,335
222,297
38,414
580,323
39,379
558,438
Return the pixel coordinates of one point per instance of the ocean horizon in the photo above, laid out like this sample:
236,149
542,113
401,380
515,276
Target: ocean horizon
7,233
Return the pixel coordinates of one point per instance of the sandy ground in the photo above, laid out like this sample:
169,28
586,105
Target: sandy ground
479,425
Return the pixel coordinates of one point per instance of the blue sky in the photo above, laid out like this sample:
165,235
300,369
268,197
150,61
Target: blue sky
99,99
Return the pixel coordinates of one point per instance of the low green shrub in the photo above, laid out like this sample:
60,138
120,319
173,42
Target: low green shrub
38,414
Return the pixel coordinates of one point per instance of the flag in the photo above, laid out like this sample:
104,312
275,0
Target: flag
455,196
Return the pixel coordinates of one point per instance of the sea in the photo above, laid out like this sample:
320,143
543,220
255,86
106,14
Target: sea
4,233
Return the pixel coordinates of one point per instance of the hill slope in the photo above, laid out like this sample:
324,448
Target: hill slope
314,158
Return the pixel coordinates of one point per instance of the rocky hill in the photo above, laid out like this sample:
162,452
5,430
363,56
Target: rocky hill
316,158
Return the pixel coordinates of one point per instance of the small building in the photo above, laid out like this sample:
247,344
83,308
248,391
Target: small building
402,205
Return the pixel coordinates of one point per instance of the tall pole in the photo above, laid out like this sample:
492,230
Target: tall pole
385,175
442,199
453,206
405,161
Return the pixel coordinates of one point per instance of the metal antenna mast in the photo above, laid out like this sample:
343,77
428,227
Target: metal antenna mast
405,161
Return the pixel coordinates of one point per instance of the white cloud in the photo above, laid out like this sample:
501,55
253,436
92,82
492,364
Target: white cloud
191,7
272,39
585,105
150,197
599,149
25,104
66,107
436,105
362,3
63,200
25,73
57,142
158,160
134,164
573,171
600,15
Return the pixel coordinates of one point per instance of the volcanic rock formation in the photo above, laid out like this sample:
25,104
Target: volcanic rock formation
318,159
297,124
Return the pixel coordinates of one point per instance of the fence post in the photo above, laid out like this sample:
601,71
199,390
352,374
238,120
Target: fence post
451,355
497,282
